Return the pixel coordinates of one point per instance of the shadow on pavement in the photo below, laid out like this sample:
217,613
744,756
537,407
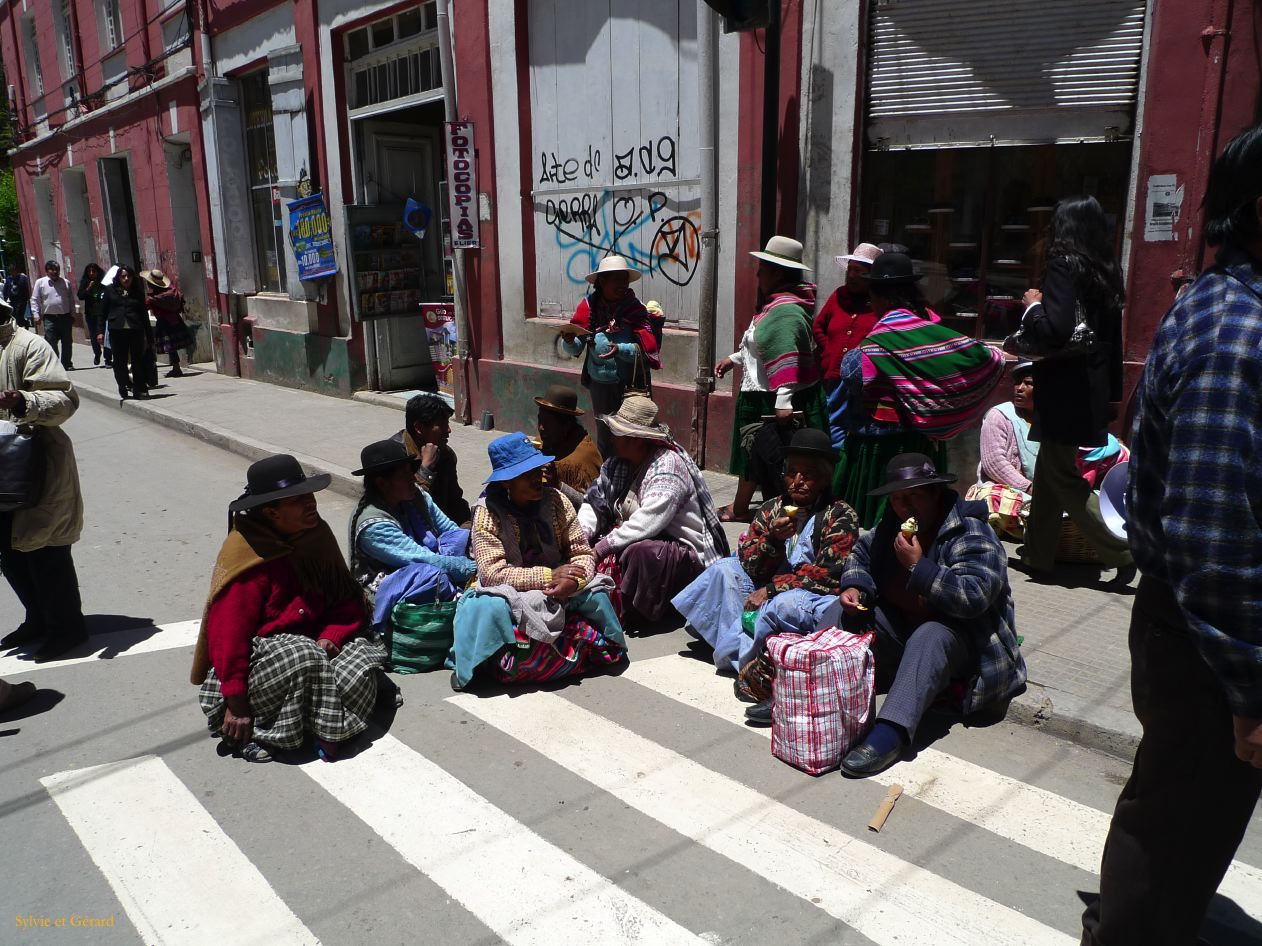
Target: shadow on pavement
43,700
1226,924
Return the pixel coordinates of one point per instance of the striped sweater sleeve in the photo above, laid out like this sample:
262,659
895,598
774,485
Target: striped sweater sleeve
493,566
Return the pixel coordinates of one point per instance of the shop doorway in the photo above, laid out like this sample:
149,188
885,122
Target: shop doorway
120,212
74,188
400,159
184,263
49,244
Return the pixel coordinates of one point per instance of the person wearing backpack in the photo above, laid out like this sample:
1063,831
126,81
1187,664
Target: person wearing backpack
166,303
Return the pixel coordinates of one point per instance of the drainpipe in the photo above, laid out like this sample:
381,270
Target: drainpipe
448,66
708,118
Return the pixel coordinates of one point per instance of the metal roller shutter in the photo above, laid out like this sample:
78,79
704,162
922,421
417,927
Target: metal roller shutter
970,72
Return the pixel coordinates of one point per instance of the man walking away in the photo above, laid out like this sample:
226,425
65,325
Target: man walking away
1196,626
17,292
52,302
35,542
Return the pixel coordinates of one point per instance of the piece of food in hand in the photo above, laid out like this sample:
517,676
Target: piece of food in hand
910,528
791,510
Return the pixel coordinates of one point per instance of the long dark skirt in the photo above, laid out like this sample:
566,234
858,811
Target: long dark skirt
752,406
862,468
649,573
295,689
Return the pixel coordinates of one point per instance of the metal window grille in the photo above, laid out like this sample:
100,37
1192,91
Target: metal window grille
32,45
66,35
113,23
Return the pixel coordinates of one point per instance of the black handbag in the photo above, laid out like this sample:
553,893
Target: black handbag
21,468
1026,345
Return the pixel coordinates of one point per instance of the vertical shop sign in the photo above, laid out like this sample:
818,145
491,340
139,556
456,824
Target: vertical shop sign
462,186
311,236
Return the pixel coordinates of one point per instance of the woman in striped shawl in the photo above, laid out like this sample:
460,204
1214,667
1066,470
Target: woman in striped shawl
780,370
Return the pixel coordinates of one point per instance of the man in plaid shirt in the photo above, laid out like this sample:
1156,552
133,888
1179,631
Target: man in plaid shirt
1196,626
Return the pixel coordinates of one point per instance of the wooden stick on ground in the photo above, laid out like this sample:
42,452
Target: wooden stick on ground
878,819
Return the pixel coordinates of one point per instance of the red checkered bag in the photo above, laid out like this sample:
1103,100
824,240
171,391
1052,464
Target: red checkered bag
609,566
825,693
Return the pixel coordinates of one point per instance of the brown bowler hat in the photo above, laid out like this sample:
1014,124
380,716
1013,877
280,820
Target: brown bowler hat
561,399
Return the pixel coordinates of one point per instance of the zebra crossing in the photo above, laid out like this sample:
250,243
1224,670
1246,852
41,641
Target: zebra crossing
522,880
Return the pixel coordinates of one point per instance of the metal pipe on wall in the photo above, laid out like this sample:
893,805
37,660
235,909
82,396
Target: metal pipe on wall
448,65
708,118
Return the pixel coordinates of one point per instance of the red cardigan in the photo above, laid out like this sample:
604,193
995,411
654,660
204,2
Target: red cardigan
268,599
841,325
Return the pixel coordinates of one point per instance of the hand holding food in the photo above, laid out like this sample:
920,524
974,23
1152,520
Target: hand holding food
910,528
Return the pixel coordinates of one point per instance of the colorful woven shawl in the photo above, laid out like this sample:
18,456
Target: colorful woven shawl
927,376
783,336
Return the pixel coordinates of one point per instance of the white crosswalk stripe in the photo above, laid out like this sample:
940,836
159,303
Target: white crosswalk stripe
107,646
462,836
887,899
167,860
1026,814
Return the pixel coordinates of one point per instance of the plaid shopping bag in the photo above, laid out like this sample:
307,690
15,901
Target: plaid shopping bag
825,694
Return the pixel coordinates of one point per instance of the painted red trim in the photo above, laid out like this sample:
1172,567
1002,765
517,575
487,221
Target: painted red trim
790,152
254,65
859,142
748,181
521,45
220,21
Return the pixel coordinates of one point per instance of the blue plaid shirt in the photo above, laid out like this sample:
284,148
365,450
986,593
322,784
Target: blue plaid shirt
1195,494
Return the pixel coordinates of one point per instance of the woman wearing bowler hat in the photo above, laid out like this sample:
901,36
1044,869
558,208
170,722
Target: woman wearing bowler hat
284,652
538,610
932,581
562,435
402,546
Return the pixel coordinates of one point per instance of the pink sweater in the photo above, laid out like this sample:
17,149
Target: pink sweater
1000,456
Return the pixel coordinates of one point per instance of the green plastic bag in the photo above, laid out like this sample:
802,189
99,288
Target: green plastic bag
748,620
421,635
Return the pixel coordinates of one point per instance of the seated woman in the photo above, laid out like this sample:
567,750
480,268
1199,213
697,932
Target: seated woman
649,514
402,545
933,580
786,568
538,611
284,649
1005,473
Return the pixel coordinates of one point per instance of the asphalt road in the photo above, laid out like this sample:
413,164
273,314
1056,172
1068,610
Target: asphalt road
631,809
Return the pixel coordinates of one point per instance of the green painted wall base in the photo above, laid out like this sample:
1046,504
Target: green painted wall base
303,360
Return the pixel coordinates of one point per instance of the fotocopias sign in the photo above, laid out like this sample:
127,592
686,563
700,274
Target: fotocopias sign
462,186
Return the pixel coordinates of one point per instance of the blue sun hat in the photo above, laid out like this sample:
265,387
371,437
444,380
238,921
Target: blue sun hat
512,455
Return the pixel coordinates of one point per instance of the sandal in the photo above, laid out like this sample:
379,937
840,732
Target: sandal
728,514
253,752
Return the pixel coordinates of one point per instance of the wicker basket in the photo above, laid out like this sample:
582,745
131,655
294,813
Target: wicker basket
1074,546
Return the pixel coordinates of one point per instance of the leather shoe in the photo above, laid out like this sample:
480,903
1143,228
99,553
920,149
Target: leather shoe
24,634
760,712
55,647
863,760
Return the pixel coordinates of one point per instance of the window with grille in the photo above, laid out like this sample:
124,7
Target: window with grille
266,209
65,40
394,57
32,56
111,23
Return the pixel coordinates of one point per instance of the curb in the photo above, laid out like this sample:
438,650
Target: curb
342,482
1034,708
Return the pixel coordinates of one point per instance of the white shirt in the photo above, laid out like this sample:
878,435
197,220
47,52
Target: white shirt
52,297
754,377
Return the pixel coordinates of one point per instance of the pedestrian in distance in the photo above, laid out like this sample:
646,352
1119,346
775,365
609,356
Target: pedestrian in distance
1075,396
53,305
166,304
35,542
780,387
1196,624
846,317
613,332
17,292
127,318
92,295
428,428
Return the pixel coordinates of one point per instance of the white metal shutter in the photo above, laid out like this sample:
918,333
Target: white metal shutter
969,72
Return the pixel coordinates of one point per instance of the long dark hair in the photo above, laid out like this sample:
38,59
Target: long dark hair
906,295
1080,231
92,272
1235,184
137,289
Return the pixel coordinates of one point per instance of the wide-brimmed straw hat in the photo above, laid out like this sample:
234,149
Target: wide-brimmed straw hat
909,470
863,253
613,264
809,442
276,477
383,456
512,455
156,278
562,400
783,251
637,417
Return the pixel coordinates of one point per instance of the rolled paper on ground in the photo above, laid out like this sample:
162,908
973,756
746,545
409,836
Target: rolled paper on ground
882,813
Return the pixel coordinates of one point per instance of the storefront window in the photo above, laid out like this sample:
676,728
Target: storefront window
975,219
265,206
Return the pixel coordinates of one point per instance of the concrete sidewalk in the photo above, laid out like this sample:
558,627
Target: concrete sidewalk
1075,635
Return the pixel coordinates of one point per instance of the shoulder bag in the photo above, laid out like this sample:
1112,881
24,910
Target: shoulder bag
21,467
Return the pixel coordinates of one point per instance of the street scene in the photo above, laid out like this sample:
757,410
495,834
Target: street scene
693,471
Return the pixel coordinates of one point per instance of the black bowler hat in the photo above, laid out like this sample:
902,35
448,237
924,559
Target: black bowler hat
276,477
809,442
383,456
892,269
909,470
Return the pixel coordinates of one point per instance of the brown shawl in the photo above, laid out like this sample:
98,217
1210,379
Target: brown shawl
314,555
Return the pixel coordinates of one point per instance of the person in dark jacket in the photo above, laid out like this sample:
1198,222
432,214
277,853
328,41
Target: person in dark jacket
428,420
128,319
166,303
17,292
92,295
933,579
1074,395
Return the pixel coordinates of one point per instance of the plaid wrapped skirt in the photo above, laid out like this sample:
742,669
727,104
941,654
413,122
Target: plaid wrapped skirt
172,336
295,689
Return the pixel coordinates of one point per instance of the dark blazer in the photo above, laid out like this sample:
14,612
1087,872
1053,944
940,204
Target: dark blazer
123,311
92,294
1073,396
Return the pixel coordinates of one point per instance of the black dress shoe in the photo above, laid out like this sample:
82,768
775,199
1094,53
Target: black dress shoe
760,713
57,646
24,634
863,760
